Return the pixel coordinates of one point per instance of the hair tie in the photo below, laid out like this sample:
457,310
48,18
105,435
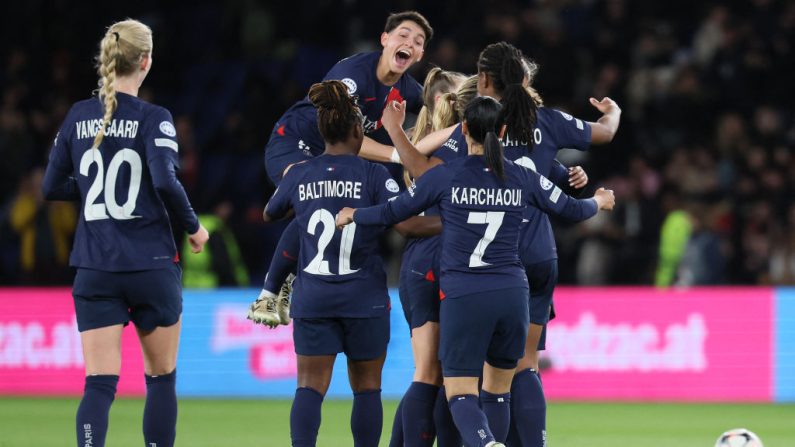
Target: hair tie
117,36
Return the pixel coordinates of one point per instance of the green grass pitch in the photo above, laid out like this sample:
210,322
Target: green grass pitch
45,422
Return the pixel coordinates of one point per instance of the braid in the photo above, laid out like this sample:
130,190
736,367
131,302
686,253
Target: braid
108,55
504,65
337,112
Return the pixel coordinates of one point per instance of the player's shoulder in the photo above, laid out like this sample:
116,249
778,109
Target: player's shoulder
553,115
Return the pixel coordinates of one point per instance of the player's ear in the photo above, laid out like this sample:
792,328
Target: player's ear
384,38
502,131
146,62
483,80
464,129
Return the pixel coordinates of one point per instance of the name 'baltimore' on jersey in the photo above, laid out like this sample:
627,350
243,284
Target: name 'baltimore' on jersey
358,73
481,219
340,273
123,223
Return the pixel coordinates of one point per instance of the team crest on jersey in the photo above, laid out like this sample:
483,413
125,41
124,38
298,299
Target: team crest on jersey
351,84
566,115
168,129
392,186
546,184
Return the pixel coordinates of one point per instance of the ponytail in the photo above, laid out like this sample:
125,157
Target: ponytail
108,55
518,113
493,155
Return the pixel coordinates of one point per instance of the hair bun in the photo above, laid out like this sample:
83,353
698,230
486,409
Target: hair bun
328,94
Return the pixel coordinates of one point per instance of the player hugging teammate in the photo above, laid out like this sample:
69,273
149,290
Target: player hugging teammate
487,167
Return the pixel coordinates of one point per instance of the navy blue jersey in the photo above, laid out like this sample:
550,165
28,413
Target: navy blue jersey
358,73
481,219
340,273
554,130
122,186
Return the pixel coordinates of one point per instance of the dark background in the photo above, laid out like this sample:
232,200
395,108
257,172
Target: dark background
707,127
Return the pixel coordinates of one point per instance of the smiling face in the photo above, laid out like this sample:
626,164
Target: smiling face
403,46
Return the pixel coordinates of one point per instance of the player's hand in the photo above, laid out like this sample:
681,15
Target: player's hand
606,105
578,178
605,199
198,239
394,115
345,216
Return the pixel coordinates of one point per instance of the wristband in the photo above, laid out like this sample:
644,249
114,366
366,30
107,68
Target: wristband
395,157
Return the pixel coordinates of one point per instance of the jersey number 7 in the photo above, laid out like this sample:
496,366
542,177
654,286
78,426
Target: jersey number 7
493,222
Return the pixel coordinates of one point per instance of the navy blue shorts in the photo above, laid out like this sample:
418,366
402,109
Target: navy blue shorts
358,338
419,296
282,151
488,326
543,277
150,298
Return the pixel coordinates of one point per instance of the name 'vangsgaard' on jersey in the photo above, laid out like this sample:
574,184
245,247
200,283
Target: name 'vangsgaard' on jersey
481,219
123,186
340,272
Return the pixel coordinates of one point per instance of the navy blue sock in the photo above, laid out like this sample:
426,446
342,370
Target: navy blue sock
305,417
367,418
470,420
284,260
497,408
418,403
92,414
529,409
446,432
160,410
397,427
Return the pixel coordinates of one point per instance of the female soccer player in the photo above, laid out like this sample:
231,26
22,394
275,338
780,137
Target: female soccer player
484,292
111,148
374,78
534,135
341,302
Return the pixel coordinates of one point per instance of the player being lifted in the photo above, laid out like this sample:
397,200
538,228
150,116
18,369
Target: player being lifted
374,79
484,290
112,148
340,301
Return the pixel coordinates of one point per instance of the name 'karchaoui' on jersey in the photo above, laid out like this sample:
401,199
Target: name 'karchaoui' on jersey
121,186
340,273
481,219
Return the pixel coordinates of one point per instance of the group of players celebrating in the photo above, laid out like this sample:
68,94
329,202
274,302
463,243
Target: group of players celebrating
477,273
480,264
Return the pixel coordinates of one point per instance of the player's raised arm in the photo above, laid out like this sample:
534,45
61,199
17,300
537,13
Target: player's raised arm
605,128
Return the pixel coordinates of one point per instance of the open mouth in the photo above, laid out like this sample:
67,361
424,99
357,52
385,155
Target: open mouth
402,55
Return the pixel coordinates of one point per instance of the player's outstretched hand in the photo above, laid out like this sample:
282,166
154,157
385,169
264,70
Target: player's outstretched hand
345,216
577,177
198,239
394,115
606,105
605,199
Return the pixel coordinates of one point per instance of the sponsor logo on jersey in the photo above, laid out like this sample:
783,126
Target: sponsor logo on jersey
167,128
392,186
452,144
351,84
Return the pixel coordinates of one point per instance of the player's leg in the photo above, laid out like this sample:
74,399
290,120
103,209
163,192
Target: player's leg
101,316
272,305
506,348
366,340
528,404
465,332
317,342
155,299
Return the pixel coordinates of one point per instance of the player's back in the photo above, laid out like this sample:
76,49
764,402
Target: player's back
123,223
340,272
481,219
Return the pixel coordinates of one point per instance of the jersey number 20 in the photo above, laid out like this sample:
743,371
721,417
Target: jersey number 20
319,266
99,211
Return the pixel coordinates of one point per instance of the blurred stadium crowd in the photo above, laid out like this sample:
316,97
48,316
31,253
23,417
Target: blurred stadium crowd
702,164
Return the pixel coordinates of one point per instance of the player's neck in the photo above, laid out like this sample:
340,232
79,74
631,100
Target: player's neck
339,149
128,85
474,148
384,74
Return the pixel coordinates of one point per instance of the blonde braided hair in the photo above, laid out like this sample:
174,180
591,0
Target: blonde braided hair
121,50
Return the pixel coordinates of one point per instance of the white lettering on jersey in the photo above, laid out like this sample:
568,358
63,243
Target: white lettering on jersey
116,128
329,188
487,196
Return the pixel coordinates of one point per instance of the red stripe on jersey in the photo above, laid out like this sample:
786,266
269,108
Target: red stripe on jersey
429,276
441,295
286,254
176,258
280,130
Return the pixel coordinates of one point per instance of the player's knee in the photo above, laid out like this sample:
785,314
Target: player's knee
430,373
160,370
527,362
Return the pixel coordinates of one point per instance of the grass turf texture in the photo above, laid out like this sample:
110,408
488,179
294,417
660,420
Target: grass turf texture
44,422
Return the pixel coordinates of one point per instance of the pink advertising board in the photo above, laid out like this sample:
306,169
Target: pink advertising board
40,352
707,344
